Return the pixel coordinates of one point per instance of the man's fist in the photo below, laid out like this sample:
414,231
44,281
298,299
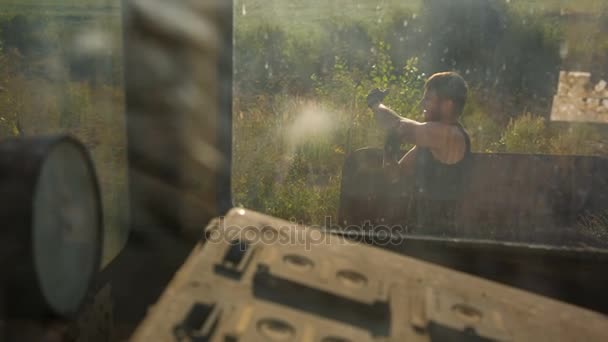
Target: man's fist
375,97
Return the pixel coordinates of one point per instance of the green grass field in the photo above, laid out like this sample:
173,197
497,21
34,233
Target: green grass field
560,6
286,179
299,13
582,23
83,8
311,12
307,14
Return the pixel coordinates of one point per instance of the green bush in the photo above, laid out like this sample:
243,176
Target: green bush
305,139
526,134
595,226
512,58
578,139
484,131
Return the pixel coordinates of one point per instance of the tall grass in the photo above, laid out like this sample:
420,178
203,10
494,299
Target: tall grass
299,106
47,88
300,98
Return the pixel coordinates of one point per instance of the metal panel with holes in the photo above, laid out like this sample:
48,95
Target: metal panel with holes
299,284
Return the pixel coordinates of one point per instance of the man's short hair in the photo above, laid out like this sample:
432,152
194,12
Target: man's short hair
451,86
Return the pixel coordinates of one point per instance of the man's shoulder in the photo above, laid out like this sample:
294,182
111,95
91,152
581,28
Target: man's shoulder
447,128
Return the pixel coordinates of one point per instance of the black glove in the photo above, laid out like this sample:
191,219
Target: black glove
375,97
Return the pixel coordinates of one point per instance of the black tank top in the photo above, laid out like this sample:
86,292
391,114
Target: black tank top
438,181
439,186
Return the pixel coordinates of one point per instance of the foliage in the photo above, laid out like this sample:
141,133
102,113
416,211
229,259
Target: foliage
578,139
526,134
301,82
595,226
510,58
483,129
43,92
297,175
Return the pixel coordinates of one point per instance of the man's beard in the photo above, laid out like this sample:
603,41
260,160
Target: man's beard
430,116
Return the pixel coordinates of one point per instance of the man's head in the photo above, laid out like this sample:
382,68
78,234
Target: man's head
445,94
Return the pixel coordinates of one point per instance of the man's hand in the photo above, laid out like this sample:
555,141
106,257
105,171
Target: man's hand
375,97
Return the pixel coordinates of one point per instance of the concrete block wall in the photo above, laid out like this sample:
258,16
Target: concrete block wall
579,99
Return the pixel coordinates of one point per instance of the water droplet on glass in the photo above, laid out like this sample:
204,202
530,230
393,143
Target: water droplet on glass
430,44
446,50
405,23
266,66
467,72
92,42
563,50
244,10
400,39
379,20
414,16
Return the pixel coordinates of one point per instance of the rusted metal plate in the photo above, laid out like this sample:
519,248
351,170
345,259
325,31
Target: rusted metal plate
541,199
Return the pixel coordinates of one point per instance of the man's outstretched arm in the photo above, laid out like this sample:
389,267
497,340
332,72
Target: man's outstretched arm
434,135
388,119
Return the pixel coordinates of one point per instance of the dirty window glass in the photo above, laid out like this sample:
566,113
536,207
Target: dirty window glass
307,146
61,72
